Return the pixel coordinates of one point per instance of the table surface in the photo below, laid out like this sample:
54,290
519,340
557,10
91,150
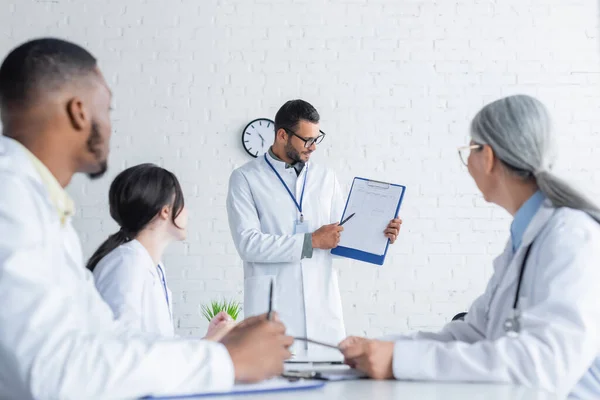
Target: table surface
367,389
382,390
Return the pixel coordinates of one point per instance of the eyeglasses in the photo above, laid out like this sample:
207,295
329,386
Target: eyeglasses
307,142
465,151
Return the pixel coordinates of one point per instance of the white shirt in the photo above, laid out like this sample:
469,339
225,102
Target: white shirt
58,338
558,348
262,216
136,289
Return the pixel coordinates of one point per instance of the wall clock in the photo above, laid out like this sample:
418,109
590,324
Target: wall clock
258,136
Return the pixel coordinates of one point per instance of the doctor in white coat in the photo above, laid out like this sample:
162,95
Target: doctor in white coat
58,338
148,204
538,321
283,214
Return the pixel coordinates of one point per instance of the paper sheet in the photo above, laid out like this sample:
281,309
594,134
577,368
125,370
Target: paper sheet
271,385
375,206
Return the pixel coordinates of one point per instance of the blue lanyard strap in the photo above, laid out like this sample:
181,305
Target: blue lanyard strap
164,283
298,205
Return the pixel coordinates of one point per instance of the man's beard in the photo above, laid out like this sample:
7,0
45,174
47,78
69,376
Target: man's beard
292,153
94,144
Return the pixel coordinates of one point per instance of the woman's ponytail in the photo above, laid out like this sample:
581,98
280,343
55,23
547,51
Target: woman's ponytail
113,241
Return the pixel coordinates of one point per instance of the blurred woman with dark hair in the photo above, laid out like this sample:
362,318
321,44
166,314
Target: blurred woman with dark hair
147,202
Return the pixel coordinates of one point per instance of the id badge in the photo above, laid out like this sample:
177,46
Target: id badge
301,226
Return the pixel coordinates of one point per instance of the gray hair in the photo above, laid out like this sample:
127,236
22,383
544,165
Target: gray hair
518,129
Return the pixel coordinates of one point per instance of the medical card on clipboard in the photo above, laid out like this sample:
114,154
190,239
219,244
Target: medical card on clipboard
374,204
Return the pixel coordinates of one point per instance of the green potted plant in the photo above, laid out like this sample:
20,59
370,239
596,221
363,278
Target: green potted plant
231,307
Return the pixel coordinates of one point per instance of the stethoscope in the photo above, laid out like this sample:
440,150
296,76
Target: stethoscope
512,324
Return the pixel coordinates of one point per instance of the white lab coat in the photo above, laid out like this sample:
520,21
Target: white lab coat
131,284
58,339
261,218
559,345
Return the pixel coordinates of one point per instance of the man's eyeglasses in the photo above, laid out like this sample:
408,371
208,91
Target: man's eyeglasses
307,142
465,151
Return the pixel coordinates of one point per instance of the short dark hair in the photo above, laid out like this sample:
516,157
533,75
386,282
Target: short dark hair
41,65
292,112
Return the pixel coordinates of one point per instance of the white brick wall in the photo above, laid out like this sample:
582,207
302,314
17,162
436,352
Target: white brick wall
396,83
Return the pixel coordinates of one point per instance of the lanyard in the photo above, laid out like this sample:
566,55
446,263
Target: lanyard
164,283
298,205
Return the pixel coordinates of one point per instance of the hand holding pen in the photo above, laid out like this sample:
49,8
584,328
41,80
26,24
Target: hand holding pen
258,338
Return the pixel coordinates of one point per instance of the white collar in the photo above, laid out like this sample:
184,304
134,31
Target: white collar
135,245
10,148
537,224
280,166
19,162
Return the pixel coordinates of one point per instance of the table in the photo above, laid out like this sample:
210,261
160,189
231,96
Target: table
382,390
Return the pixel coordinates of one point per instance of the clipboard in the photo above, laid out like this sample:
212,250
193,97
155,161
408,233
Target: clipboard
326,374
323,372
367,190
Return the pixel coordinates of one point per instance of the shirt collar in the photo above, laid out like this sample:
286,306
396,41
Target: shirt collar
139,247
523,218
64,204
297,166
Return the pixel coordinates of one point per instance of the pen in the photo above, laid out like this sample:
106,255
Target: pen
270,301
346,220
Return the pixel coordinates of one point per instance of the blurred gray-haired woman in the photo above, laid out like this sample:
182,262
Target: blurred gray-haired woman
538,321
